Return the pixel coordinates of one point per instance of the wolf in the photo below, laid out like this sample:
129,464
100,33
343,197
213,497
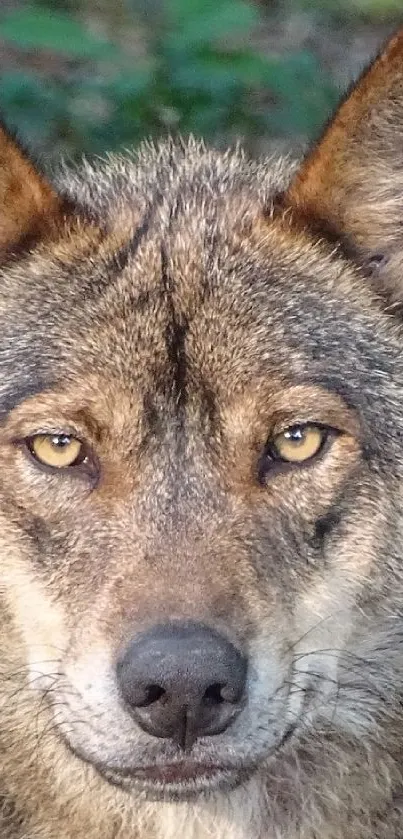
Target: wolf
201,488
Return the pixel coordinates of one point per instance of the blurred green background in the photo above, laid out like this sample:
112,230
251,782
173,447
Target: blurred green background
95,75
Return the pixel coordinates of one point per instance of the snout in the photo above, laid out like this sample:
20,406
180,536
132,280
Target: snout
182,681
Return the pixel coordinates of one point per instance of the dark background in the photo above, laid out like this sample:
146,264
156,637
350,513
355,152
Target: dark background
91,75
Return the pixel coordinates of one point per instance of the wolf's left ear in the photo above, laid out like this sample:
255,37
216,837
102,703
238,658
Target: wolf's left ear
28,204
350,186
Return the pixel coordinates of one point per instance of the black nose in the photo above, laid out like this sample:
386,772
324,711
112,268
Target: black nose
182,681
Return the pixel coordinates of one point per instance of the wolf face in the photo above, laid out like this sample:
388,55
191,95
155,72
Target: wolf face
201,461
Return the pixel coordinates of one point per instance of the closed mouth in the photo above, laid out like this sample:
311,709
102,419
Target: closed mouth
179,780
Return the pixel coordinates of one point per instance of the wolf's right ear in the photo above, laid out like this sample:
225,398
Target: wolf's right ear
28,204
350,186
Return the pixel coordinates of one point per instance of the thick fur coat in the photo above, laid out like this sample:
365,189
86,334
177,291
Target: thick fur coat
179,318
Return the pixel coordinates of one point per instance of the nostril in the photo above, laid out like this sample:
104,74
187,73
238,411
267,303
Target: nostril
152,694
220,692
214,694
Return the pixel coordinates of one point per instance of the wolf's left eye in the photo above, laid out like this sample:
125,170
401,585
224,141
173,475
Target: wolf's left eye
298,443
57,450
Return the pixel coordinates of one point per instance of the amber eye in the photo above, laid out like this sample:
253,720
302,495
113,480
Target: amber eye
298,443
57,450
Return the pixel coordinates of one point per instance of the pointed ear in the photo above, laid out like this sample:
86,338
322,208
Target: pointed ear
350,186
28,204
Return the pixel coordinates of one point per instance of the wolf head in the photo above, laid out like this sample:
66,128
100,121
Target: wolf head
201,397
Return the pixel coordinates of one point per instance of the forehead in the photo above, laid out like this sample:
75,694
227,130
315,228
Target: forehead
183,269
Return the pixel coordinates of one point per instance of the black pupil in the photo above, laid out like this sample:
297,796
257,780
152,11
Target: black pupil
296,434
60,441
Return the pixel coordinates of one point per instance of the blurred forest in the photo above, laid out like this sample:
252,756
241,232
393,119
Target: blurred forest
95,75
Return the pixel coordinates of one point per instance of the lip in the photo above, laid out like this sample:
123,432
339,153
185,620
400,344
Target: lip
175,781
178,773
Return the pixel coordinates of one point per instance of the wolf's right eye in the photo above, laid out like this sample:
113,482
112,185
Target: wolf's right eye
295,446
298,443
57,450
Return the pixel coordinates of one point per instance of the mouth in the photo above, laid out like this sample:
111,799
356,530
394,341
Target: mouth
176,781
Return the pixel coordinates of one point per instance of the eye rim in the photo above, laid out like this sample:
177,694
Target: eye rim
84,462
272,463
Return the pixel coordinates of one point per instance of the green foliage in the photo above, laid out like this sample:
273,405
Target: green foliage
198,73
38,29
348,11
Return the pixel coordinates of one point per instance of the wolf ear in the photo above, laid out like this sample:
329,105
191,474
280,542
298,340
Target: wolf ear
350,186
28,204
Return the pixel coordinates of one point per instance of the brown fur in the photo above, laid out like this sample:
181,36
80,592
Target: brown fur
32,205
177,309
